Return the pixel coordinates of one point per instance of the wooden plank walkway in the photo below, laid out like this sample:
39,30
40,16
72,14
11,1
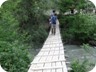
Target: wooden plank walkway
51,57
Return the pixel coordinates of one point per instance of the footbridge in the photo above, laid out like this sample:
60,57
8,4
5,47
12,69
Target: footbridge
51,57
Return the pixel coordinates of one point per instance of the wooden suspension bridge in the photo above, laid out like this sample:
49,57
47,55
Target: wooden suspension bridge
51,57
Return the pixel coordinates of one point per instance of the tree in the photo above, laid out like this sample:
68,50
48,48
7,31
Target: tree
16,16
79,27
65,5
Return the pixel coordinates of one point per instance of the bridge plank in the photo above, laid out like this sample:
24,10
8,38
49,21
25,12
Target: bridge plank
51,57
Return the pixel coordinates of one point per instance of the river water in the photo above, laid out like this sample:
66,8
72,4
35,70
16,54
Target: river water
75,52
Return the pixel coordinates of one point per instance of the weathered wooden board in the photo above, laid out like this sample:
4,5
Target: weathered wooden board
51,57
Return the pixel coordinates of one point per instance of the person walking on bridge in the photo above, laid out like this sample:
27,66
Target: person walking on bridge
53,20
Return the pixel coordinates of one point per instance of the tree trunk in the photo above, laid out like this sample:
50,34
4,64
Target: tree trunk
72,11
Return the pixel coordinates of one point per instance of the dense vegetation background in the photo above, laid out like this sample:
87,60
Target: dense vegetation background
77,23
77,28
23,26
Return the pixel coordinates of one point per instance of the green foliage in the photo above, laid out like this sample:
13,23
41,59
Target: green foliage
89,49
14,56
79,66
86,47
21,25
13,50
65,5
30,15
80,27
38,37
94,36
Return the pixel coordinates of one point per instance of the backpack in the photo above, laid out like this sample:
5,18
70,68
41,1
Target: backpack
53,19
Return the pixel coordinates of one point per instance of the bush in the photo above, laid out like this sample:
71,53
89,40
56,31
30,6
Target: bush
14,56
79,66
78,27
13,49
38,36
19,29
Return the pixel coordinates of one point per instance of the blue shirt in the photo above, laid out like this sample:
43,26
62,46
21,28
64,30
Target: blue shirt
53,19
